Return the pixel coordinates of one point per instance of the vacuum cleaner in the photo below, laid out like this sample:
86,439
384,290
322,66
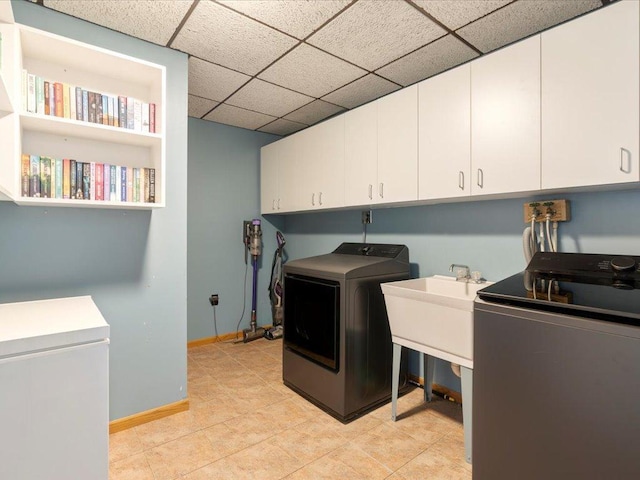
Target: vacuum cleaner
253,245
276,291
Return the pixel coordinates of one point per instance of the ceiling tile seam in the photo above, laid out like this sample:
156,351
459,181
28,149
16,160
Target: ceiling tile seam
314,100
213,63
329,20
412,51
353,81
447,29
182,23
242,14
279,118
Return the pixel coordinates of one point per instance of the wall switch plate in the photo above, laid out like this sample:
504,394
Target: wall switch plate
366,217
559,210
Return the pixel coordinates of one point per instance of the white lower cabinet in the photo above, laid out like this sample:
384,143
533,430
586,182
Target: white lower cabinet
444,135
505,120
590,114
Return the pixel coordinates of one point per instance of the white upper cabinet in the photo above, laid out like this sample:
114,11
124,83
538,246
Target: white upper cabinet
321,165
444,135
398,146
279,180
269,178
361,155
590,113
505,120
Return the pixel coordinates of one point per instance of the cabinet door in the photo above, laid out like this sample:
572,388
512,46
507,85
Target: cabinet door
361,154
398,146
269,160
328,143
590,115
289,165
505,119
444,135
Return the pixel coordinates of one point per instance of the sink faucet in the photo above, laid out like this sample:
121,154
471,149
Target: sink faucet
463,273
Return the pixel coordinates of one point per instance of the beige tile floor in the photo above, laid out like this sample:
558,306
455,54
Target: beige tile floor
244,423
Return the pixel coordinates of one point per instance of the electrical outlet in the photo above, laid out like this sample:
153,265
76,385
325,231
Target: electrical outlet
366,217
559,210
213,299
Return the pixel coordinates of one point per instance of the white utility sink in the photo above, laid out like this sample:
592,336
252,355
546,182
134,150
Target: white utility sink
433,315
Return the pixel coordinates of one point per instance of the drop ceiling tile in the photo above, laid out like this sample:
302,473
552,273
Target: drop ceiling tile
295,18
373,33
314,112
267,98
361,91
444,53
520,19
199,106
147,19
457,13
238,117
212,81
311,71
282,127
219,35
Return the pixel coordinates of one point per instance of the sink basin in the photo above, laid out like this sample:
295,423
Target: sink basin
433,315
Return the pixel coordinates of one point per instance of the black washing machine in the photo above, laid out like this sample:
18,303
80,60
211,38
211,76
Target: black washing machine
337,349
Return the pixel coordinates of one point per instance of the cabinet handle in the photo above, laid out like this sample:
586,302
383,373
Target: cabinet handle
381,190
461,180
622,155
313,199
273,204
320,198
370,192
278,204
480,178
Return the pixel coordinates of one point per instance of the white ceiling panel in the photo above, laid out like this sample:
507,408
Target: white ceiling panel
314,112
361,91
212,81
295,18
200,106
444,53
239,117
224,37
373,33
268,98
311,71
457,13
282,127
147,19
520,19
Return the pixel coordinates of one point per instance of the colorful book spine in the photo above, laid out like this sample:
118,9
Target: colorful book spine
137,115
116,112
79,179
59,178
122,111
79,106
85,106
152,118
66,178
45,177
123,184
105,110
99,181
47,99
152,185
53,178
25,168
136,184
92,180
52,98
66,106
59,99
107,181
145,184
99,111
92,107
34,187
130,114
73,175
31,93
118,188
86,181
112,184
129,184
39,95
73,103
145,117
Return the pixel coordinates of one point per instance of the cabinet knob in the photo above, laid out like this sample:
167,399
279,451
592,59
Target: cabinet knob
461,180
480,178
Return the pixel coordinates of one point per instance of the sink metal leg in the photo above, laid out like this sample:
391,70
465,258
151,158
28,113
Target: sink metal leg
429,367
395,379
467,403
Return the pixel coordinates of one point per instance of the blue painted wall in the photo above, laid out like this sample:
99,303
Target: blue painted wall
486,235
224,190
133,263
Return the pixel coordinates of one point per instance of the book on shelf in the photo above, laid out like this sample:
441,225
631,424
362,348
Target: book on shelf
47,98
79,177
130,121
39,95
45,177
145,185
123,184
59,178
99,181
72,103
53,178
34,186
79,106
86,180
92,107
31,93
85,106
92,180
136,184
106,178
152,185
122,111
116,183
129,184
73,175
25,169
105,110
137,115
152,118
66,178
58,89
52,98
145,117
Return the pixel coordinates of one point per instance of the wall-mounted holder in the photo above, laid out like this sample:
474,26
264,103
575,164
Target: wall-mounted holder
559,210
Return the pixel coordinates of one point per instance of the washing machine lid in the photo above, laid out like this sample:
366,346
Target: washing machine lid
605,287
353,260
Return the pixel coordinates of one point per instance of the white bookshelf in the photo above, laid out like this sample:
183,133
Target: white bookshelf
58,59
